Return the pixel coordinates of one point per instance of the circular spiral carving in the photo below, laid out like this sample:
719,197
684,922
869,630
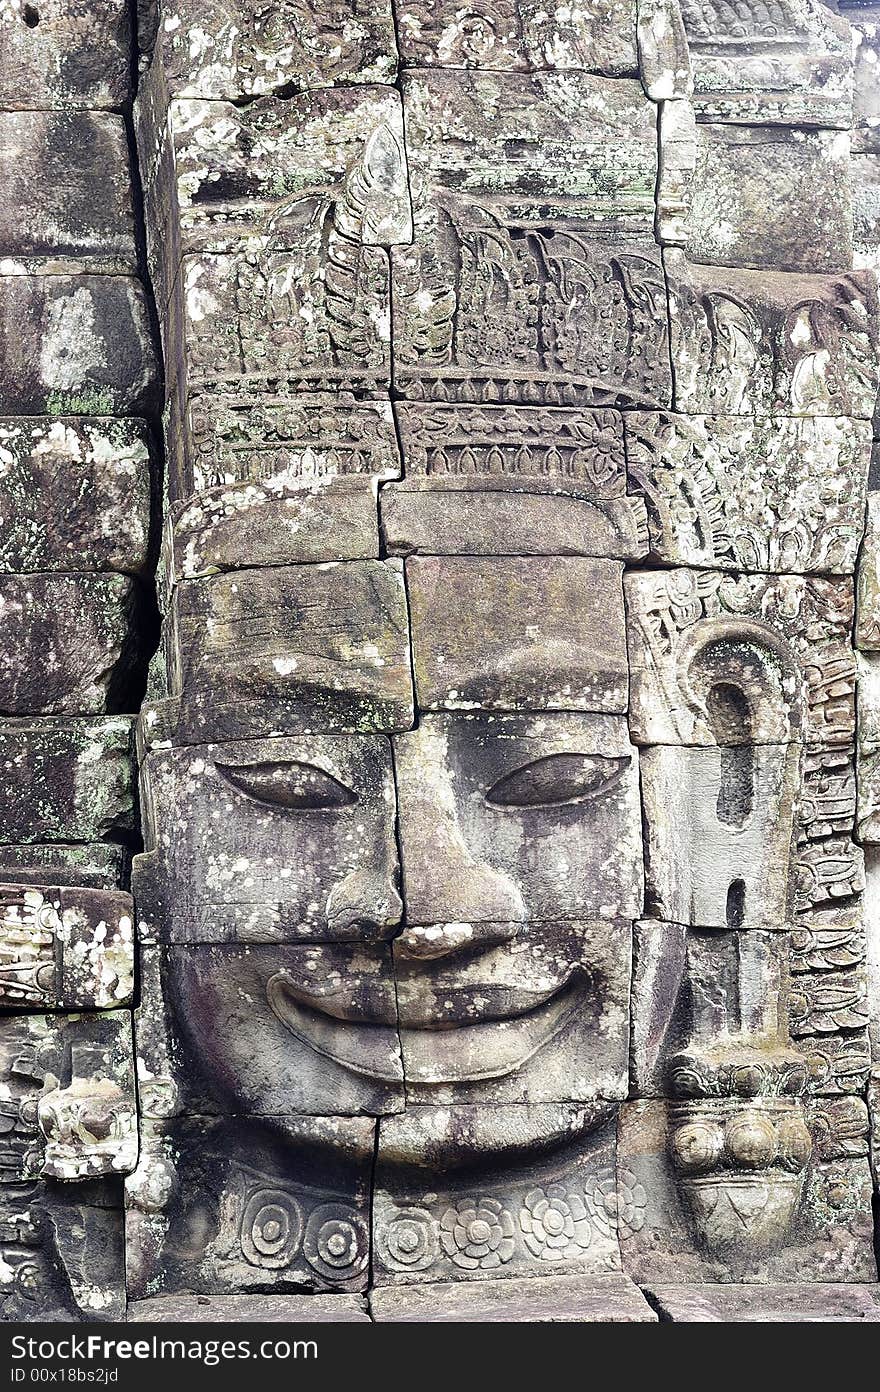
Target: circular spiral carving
271,1229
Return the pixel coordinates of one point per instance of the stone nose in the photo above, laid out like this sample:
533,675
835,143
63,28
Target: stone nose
425,942
445,883
367,899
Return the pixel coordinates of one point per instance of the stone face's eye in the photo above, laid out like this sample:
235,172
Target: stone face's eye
558,779
288,783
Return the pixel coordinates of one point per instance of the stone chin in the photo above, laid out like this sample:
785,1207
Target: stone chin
433,1056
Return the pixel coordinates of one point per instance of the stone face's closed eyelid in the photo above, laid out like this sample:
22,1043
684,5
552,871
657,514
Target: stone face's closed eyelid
557,779
290,784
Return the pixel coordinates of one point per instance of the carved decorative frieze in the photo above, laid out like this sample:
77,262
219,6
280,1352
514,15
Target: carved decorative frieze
519,36
752,493
65,949
245,48
751,343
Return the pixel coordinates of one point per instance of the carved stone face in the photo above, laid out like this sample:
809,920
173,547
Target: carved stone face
307,965
499,796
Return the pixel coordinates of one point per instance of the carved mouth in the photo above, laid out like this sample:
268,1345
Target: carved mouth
431,1057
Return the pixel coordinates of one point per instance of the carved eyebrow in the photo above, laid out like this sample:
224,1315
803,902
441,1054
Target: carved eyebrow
288,783
557,779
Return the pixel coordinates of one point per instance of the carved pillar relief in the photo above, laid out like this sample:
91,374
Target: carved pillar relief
77,471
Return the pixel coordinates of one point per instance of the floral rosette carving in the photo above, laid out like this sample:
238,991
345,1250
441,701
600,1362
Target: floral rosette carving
407,1239
555,1224
477,1235
336,1242
616,1203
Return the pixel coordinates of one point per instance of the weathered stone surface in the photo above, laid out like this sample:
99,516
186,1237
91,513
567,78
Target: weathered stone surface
659,974
93,865
752,493
486,522
872,966
757,342
544,1019
709,1014
519,35
520,480
868,750
866,97
826,1002
867,635
63,1253
521,847
67,642
517,634
280,840
283,522
211,1209
65,53
719,826
97,475
556,1215
828,939
677,158
247,1309
64,779
829,863
588,144
806,1303
65,949
75,345
293,649
839,1126
757,1222
69,199
664,59
545,1300
770,197
836,1062
274,179
240,48
289,448
269,1031
517,819
512,293
792,64
731,660
866,211
69,1110
499,912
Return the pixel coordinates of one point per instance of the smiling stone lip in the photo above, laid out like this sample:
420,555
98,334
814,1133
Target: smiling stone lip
467,1053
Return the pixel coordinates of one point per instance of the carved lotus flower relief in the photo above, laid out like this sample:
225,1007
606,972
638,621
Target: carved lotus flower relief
554,1223
616,1203
477,1234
